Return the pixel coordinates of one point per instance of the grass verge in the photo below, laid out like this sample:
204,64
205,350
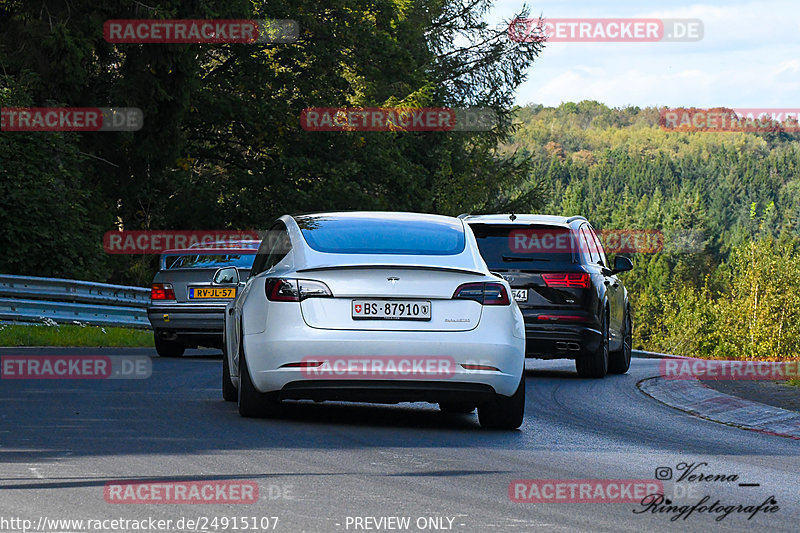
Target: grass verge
73,335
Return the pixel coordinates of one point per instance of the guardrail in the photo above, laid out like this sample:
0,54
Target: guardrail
31,299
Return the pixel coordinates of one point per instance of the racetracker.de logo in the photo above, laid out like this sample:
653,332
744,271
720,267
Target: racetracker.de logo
71,119
200,31
604,30
366,367
614,241
397,119
710,369
583,490
181,492
156,242
75,367
740,119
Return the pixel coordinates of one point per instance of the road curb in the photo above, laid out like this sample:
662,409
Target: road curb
691,396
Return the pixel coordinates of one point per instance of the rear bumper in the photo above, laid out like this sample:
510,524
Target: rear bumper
561,341
387,391
268,353
183,316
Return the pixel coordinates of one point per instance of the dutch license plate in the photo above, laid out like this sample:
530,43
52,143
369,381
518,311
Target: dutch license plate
520,295
196,293
391,310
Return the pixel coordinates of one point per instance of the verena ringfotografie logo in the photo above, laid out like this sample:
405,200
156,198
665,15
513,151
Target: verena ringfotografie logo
181,492
156,242
71,119
200,31
565,241
365,367
729,370
751,120
605,30
397,119
583,490
75,367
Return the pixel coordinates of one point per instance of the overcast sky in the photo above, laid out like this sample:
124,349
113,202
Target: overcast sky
749,56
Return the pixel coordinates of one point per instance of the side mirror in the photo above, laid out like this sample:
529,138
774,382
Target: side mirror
226,276
622,264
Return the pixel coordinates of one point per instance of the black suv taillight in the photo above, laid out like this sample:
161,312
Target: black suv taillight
578,280
489,293
295,290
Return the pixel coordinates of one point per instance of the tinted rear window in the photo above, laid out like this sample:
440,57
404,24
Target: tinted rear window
399,235
209,261
522,247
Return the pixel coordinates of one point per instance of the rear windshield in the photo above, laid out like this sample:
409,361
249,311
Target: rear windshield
522,247
208,261
398,235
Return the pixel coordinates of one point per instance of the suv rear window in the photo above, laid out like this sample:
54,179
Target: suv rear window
207,260
376,235
519,247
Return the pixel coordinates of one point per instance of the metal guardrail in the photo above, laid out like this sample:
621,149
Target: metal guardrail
31,299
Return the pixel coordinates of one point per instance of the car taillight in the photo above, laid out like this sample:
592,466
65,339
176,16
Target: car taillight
484,293
161,291
577,280
295,290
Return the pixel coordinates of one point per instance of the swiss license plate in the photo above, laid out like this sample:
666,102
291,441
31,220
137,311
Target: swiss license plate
196,293
520,295
391,310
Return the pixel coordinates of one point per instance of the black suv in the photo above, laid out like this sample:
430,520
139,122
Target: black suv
574,305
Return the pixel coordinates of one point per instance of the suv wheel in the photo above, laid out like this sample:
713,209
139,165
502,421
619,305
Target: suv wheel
504,412
167,348
620,361
595,365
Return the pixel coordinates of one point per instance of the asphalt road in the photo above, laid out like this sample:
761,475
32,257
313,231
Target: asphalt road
328,465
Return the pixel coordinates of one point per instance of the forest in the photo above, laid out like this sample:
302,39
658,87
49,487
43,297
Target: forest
733,293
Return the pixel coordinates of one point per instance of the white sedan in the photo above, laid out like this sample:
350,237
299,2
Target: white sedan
375,307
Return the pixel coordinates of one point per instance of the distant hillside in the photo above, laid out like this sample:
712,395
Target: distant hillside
741,191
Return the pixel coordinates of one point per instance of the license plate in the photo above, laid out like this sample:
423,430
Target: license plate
391,310
520,295
196,293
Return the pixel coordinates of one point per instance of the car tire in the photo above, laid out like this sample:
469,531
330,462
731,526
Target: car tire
595,365
166,348
229,393
456,407
253,403
504,412
620,361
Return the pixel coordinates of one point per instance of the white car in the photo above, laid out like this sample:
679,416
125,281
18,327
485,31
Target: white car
376,307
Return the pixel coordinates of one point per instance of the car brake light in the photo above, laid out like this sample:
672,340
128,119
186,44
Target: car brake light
489,293
577,280
295,290
281,290
161,291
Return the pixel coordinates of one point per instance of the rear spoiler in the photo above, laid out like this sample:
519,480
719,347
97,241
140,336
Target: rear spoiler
405,267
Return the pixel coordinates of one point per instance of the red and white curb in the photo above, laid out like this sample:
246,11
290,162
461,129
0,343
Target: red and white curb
692,396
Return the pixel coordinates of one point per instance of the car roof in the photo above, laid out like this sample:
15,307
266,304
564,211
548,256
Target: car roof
389,215
522,219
